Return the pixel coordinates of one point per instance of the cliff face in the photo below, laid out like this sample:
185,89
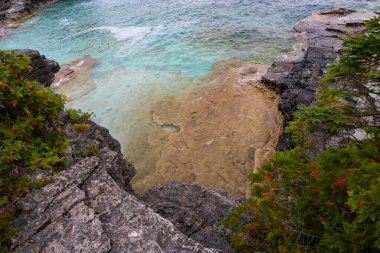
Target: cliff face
296,76
195,211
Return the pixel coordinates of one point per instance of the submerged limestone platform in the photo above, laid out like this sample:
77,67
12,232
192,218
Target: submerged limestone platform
216,135
74,79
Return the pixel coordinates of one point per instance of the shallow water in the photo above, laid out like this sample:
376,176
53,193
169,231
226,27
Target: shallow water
148,49
220,133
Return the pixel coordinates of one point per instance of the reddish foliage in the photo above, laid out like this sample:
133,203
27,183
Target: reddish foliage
314,173
340,181
329,203
267,177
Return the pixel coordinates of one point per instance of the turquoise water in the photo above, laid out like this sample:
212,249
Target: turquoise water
147,49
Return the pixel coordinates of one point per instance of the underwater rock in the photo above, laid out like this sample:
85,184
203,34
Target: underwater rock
220,133
74,80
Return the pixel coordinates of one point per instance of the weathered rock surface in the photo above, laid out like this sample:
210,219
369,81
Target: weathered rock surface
12,11
89,208
296,76
80,145
43,68
195,211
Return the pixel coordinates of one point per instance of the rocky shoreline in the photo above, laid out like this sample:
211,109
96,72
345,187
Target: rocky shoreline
296,77
12,12
91,207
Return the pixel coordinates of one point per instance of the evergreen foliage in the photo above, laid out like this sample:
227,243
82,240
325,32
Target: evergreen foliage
31,135
324,195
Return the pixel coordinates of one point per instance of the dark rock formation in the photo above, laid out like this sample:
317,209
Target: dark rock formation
43,68
195,210
13,10
296,76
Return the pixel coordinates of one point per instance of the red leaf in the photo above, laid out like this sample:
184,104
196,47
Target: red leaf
314,173
329,203
340,181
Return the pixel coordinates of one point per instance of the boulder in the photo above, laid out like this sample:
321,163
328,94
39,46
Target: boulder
43,69
195,210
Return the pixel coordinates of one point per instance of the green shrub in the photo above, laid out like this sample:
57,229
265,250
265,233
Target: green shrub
77,116
79,119
31,134
318,197
81,127
94,150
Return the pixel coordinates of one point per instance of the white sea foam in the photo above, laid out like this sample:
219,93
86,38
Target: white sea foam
130,37
135,33
78,65
66,21
57,84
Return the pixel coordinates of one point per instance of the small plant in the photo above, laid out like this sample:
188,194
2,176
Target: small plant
93,149
77,116
79,119
81,127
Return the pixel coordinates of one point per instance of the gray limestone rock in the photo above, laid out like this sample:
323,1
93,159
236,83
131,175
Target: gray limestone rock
195,210
119,169
296,76
85,210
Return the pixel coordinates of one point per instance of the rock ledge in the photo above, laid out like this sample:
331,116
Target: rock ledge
295,77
